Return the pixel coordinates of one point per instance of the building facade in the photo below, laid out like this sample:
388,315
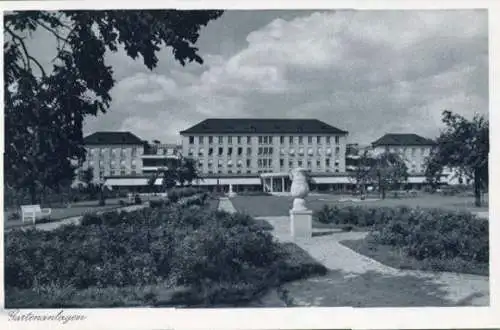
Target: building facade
264,151
113,154
413,149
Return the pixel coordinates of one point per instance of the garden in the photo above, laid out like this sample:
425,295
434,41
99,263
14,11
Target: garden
179,252
415,238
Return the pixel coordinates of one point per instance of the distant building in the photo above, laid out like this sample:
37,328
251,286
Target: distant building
413,148
113,154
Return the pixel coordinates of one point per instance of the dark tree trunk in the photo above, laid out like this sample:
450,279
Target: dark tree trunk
32,190
477,188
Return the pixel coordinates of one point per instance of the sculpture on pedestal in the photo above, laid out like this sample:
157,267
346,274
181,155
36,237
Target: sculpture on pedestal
299,189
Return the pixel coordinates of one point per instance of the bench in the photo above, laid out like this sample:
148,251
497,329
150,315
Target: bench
32,212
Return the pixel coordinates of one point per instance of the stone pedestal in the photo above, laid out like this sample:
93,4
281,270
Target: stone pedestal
301,223
231,192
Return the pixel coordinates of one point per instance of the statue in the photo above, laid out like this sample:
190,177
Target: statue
299,189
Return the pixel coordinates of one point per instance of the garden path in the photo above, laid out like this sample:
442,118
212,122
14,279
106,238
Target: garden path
357,280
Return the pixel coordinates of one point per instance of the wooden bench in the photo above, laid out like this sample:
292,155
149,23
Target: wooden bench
32,212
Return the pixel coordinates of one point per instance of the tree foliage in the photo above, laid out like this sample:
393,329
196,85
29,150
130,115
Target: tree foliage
463,145
180,171
388,171
45,107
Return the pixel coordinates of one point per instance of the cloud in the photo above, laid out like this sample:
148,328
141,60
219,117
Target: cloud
369,72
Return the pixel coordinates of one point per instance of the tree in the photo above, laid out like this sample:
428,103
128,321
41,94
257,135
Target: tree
388,170
362,174
87,176
464,145
180,171
45,108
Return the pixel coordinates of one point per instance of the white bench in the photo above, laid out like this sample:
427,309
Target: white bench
31,212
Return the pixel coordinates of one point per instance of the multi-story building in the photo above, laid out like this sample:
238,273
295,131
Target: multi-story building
157,156
265,148
412,148
113,154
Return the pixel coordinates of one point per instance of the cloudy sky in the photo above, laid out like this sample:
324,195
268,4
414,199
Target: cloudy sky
367,72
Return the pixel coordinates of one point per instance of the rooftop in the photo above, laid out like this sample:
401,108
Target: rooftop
118,138
262,126
403,140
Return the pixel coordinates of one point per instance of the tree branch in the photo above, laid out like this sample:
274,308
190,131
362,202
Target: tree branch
29,58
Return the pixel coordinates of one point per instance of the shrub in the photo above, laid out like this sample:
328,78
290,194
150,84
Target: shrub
14,216
122,202
137,200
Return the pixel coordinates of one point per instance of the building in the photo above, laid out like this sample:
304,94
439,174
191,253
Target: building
263,151
113,154
413,149
121,159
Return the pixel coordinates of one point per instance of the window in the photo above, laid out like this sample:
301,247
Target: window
318,163
309,139
260,140
210,139
300,163
191,140
270,140
229,171
221,151
320,151
249,139
200,163
337,139
259,162
282,162
201,152
336,163
282,151
310,151
260,151
229,151
240,151
290,163
200,139
270,162
271,150
300,140
219,163
301,151
327,139
239,139
210,151
239,163
221,140
329,151
290,139
249,151
413,151
318,139
190,152
230,163
337,150
248,162
292,151
229,140
282,140
210,163
327,162
309,164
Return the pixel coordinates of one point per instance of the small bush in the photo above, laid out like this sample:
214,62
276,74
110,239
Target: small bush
137,200
14,216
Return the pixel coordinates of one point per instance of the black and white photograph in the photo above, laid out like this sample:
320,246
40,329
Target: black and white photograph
229,158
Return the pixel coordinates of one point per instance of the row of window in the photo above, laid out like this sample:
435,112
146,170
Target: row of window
267,162
266,139
412,150
262,151
112,163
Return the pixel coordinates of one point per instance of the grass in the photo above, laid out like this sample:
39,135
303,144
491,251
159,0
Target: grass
395,257
280,205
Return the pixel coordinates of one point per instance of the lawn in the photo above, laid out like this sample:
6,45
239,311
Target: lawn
173,254
280,205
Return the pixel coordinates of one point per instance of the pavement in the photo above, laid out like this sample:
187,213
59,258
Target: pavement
346,265
74,220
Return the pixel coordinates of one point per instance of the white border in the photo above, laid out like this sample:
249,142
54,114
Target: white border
293,318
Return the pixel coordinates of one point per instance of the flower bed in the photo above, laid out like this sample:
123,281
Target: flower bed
432,239
216,256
